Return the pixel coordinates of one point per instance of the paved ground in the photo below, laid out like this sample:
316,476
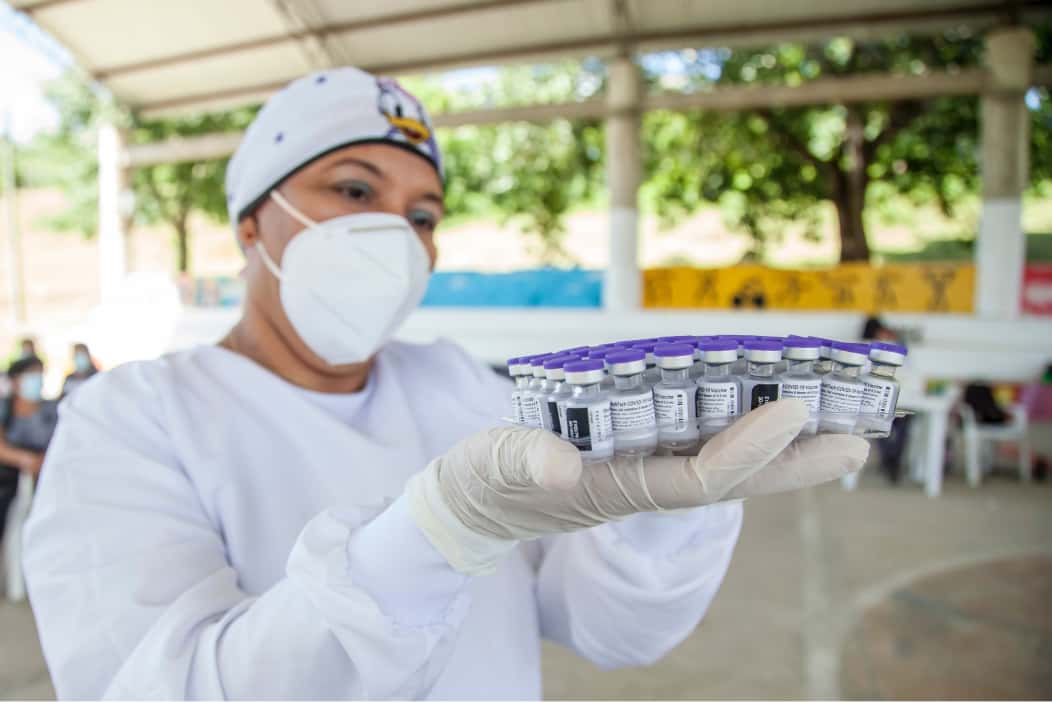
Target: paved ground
881,593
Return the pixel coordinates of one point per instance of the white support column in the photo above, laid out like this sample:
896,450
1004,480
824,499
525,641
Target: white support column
113,180
1001,247
622,290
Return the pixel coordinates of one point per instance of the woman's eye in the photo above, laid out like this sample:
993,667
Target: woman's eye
358,192
423,220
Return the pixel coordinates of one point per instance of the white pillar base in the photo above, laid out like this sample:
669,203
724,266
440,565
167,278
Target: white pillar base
622,288
1000,254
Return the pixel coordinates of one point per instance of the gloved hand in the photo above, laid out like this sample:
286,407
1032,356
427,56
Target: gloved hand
503,485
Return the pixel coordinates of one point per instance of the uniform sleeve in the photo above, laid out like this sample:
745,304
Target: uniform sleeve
626,593
135,598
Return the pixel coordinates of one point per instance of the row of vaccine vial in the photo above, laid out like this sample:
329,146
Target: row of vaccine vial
668,394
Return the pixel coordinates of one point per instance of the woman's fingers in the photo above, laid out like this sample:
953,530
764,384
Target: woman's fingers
805,463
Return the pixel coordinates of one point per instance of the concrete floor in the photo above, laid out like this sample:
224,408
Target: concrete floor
810,568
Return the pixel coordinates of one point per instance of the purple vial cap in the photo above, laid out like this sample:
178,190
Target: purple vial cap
670,350
591,364
885,346
852,348
718,345
560,361
802,342
626,356
762,345
647,346
575,349
596,352
675,339
514,361
538,361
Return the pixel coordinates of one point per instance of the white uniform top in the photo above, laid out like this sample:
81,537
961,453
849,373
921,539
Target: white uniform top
206,529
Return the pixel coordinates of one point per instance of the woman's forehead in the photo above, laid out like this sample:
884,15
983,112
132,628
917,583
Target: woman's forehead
384,159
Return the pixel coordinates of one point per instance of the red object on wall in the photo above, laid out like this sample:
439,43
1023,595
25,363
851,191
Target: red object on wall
1037,289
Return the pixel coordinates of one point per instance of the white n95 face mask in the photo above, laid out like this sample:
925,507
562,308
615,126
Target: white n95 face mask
349,282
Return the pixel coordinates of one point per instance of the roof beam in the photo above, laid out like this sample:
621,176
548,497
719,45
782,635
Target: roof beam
600,45
332,29
846,89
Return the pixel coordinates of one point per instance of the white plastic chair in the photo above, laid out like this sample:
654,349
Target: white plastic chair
978,439
11,548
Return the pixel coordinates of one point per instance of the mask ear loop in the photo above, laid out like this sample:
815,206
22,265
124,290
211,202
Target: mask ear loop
291,212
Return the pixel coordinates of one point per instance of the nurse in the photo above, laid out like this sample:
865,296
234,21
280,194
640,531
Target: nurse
310,510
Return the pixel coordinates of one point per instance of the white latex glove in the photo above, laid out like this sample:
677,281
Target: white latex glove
504,485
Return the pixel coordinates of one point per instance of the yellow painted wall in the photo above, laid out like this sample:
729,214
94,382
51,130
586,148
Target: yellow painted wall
908,287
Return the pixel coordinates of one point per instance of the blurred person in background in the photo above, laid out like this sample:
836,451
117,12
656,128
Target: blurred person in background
27,422
27,348
309,509
893,448
83,369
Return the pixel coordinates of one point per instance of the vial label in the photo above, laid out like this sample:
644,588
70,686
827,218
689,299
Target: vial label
672,406
531,411
560,406
516,406
717,400
810,391
590,428
839,397
762,393
632,411
554,421
878,398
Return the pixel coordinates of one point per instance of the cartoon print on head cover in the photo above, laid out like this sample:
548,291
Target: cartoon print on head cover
406,117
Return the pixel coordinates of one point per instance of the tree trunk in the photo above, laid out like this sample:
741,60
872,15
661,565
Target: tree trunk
182,244
850,191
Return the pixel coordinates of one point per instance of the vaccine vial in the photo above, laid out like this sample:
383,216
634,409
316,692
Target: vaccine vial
589,425
842,388
698,369
779,367
799,381
535,392
631,404
824,364
675,399
554,410
761,384
519,375
579,351
719,391
600,353
739,367
880,389
653,373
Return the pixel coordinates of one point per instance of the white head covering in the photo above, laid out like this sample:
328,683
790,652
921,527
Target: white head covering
315,115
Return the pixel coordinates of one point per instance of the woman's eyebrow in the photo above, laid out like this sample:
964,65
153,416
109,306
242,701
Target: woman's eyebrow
435,198
371,167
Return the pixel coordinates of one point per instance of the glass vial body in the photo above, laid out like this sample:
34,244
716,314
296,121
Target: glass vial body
880,392
675,400
760,384
718,401
842,388
521,381
589,425
799,381
633,417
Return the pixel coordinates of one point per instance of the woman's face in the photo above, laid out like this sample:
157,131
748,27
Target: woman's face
360,178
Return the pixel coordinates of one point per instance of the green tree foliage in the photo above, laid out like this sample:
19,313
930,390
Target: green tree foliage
164,193
532,174
170,192
769,167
